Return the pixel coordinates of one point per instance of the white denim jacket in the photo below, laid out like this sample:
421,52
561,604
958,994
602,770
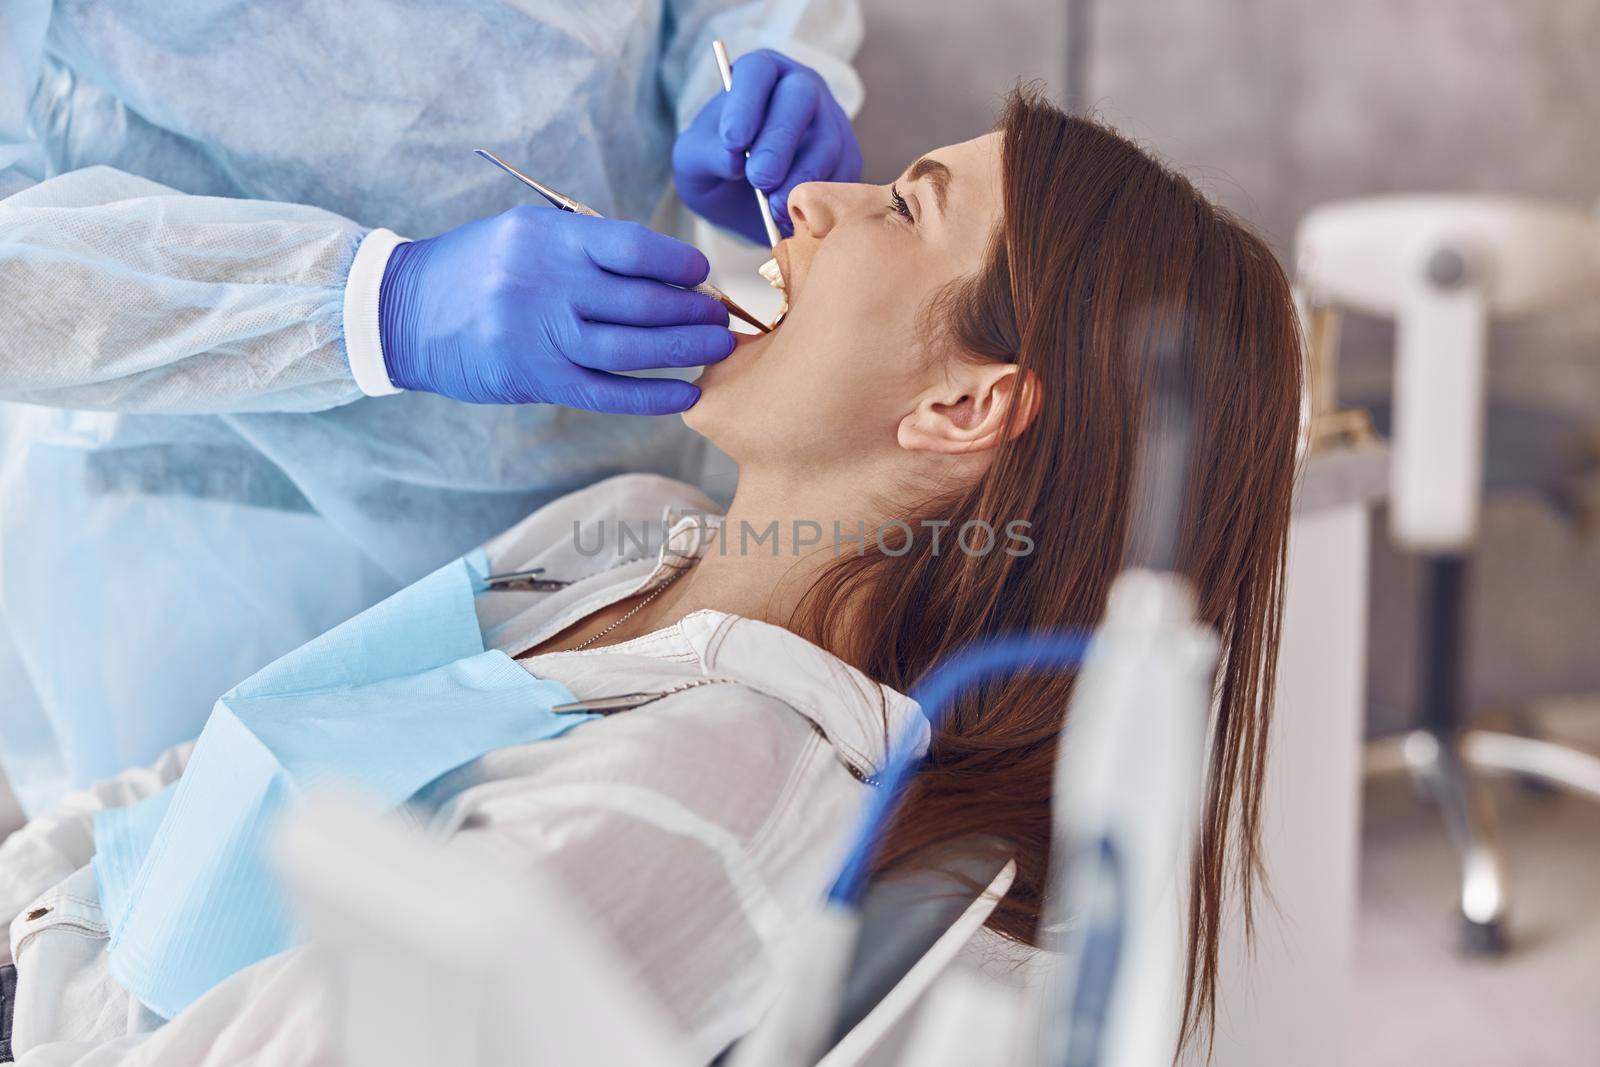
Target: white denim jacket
696,826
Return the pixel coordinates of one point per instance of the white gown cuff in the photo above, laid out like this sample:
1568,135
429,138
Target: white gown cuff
362,344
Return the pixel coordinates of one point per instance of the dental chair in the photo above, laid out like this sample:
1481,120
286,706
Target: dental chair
1443,268
433,969
912,930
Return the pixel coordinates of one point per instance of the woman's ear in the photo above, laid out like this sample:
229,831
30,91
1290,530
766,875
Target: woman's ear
968,411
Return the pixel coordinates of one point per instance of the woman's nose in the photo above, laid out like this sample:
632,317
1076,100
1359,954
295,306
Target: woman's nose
817,207
808,209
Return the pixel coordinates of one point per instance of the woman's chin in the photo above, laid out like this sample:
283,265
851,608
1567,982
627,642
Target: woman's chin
715,379
747,347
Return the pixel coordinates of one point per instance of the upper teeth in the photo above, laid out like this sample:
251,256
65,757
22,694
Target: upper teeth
773,274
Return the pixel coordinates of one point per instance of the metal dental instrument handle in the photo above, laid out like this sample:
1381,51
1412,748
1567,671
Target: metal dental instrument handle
560,200
524,581
721,52
578,207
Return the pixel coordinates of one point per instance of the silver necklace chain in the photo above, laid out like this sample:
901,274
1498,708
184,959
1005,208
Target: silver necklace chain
631,612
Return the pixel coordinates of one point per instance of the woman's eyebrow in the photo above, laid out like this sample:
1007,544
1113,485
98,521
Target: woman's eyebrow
937,174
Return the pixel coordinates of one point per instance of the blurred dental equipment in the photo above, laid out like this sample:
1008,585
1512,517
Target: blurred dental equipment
578,207
1442,267
726,69
1129,779
1127,805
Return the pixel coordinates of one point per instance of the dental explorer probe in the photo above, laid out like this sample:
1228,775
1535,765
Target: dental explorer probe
578,207
721,52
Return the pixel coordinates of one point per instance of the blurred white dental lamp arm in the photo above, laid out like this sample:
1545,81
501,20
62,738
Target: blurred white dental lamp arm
1442,267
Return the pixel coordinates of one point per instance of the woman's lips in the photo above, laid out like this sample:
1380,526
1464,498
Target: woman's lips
780,255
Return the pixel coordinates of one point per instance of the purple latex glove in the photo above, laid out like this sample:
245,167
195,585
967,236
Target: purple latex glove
538,306
784,115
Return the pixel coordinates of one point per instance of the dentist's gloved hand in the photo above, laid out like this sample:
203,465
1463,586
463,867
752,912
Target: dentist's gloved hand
538,306
785,116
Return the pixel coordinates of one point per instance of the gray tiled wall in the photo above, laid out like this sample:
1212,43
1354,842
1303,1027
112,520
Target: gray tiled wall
1277,105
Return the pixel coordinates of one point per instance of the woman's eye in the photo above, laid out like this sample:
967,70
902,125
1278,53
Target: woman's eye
900,204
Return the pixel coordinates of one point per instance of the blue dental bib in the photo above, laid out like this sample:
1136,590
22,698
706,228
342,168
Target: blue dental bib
385,703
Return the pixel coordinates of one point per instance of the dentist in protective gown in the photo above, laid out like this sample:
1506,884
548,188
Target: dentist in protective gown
240,406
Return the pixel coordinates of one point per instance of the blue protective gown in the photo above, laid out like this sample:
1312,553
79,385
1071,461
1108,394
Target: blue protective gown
194,485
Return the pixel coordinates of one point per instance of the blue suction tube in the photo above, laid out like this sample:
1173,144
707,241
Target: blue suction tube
935,693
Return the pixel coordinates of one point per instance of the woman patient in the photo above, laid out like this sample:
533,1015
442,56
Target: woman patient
936,446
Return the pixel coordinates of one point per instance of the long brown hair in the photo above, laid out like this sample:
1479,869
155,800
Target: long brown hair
1101,252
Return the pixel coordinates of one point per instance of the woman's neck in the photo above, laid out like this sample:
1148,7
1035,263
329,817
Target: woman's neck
776,538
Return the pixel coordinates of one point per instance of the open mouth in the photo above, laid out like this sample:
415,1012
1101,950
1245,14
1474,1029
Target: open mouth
772,271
